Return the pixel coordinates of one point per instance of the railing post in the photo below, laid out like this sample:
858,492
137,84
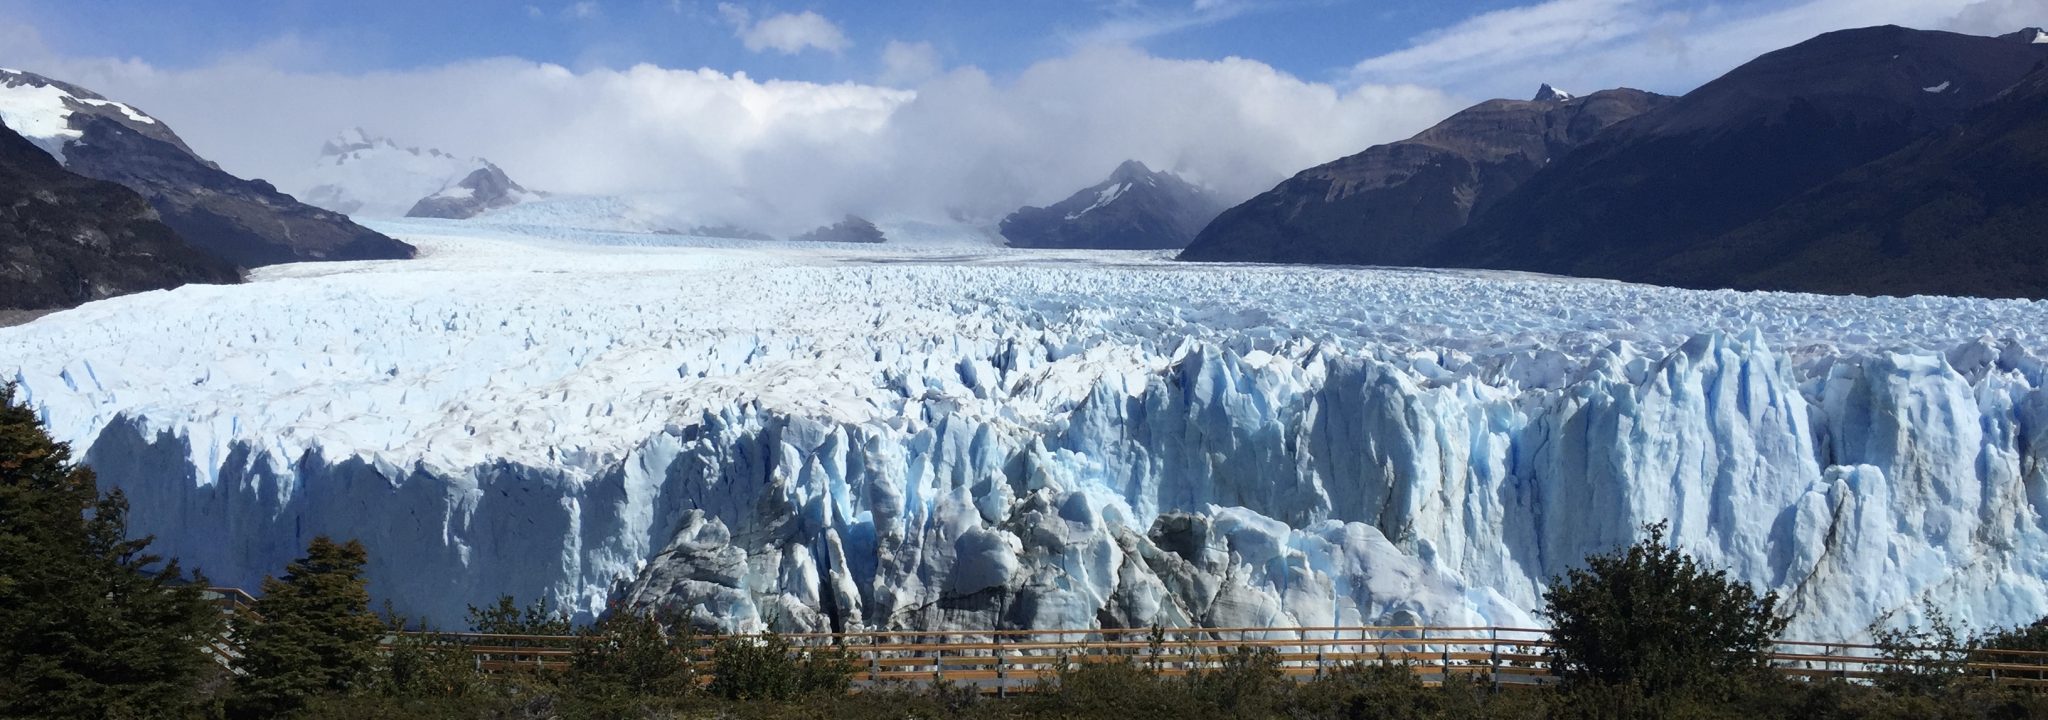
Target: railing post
1319,653
1002,678
1493,656
874,659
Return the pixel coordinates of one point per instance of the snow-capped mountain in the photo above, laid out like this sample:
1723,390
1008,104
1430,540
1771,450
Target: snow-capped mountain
368,176
246,222
68,239
881,438
1135,209
1546,93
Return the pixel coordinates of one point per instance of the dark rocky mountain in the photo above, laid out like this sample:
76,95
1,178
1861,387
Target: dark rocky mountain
485,189
67,239
728,231
247,222
1135,209
2030,36
1963,212
1391,204
1642,199
850,230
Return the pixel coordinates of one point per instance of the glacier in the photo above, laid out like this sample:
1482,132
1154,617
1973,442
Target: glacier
973,437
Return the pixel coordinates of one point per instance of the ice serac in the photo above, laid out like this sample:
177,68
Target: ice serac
888,442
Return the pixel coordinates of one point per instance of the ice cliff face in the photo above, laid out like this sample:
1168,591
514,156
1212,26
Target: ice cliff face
845,439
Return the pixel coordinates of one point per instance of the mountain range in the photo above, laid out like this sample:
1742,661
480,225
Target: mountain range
1391,204
1879,160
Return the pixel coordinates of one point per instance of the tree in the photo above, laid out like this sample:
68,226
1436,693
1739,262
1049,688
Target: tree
1649,615
310,634
91,624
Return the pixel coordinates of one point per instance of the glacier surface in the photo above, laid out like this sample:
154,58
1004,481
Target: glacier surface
885,437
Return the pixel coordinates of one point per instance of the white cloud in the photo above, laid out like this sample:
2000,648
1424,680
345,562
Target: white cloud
905,63
1651,44
584,10
1998,17
786,33
782,155
1130,22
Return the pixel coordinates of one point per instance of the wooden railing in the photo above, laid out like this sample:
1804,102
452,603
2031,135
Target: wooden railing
1020,660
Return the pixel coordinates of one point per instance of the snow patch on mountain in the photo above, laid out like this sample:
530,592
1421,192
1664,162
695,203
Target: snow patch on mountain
1106,196
1943,87
871,436
41,111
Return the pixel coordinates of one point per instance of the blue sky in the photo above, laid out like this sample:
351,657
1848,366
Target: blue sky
1308,38
782,114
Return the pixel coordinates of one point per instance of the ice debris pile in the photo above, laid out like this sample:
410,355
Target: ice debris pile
843,439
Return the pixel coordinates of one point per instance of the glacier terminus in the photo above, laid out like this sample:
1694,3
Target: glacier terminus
965,436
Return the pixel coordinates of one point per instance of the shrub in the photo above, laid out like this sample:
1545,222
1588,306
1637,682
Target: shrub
1650,616
1924,661
629,654
1245,681
768,667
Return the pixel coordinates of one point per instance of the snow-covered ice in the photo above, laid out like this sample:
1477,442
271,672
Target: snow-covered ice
880,436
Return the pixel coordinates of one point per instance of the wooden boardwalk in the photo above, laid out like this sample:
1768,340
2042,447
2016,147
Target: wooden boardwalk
1008,661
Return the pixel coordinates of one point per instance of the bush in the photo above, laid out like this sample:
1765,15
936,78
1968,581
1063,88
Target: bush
768,667
1246,681
640,655
1923,661
1650,617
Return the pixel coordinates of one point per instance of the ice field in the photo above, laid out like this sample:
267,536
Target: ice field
948,434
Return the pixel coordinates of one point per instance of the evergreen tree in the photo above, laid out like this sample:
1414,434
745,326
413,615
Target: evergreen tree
91,625
312,633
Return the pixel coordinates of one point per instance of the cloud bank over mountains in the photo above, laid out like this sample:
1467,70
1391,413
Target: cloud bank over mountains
930,141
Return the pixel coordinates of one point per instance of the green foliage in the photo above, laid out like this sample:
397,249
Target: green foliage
630,654
91,625
1246,681
421,664
316,635
1651,617
506,617
768,667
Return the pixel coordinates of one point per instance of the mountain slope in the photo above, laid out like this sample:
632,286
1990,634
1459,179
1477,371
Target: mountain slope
484,189
852,229
366,176
247,222
1732,151
1961,213
66,239
1135,209
1390,204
